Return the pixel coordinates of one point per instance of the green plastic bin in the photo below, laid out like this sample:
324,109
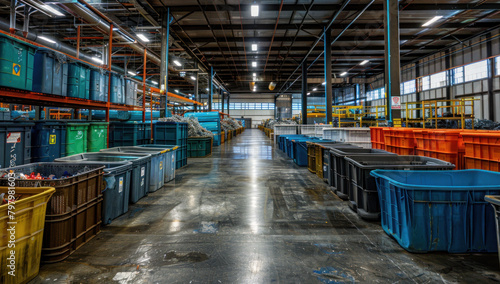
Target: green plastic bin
16,63
97,136
76,138
199,147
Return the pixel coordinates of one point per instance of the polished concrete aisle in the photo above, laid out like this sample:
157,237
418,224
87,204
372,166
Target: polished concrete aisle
248,214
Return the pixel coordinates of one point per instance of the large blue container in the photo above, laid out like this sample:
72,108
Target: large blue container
117,89
172,133
299,150
129,133
50,74
48,141
282,140
439,210
78,81
136,115
210,121
98,86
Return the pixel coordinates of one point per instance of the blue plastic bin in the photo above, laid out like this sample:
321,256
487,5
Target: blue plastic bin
117,89
99,86
130,133
48,141
15,143
170,164
439,210
51,73
299,150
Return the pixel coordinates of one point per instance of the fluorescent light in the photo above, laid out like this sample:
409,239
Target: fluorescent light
46,39
98,60
324,83
308,94
431,21
132,73
255,74
52,10
315,89
255,10
364,62
176,91
344,73
208,89
143,37
193,78
254,47
177,63
254,64
154,82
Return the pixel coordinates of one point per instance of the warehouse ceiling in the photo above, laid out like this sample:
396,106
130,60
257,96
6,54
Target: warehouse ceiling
220,33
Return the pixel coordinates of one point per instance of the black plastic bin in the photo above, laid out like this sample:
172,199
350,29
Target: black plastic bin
339,169
364,187
327,158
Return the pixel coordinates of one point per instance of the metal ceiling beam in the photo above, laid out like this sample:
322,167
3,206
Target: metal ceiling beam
333,7
358,26
368,47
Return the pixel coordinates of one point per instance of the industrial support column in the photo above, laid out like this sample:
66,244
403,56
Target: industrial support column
304,93
392,61
165,31
211,82
196,92
228,95
328,75
491,74
110,53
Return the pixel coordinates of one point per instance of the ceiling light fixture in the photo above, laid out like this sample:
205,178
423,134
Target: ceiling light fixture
324,83
254,74
208,89
154,82
432,21
46,39
308,94
143,37
52,10
254,9
177,91
177,63
315,89
254,64
364,62
344,73
193,78
254,47
132,73
98,60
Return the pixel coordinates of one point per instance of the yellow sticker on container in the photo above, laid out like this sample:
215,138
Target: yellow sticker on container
16,69
161,165
52,139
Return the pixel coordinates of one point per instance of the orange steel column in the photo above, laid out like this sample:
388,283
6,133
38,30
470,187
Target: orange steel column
78,42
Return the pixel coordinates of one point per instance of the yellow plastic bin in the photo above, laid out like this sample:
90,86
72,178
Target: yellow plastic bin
30,217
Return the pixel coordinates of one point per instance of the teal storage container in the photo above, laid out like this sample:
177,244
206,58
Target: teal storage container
98,86
172,133
51,73
117,89
16,63
439,210
199,147
48,141
78,81
130,133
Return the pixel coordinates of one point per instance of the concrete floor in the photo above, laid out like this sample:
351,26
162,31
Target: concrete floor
249,215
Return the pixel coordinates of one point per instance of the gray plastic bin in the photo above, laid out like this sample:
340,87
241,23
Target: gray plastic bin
141,165
171,159
158,159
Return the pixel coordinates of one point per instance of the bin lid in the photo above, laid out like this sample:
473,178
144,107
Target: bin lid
134,149
356,151
107,157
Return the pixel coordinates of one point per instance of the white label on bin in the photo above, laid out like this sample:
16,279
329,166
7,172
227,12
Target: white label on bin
325,168
14,137
407,169
143,171
120,185
142,181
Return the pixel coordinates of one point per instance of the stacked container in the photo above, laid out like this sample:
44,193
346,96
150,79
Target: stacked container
16,63
51,76
78,80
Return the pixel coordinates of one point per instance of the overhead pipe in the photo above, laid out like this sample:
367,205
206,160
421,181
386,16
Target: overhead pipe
91,18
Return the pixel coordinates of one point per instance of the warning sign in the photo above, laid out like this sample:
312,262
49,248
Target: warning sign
396,103
52,139
14,137
16,69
